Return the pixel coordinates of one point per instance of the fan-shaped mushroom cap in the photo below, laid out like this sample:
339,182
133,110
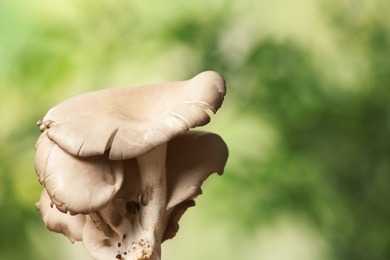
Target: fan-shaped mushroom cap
191,159
79,185
131,121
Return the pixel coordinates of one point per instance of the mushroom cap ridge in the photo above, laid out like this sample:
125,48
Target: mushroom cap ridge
131,121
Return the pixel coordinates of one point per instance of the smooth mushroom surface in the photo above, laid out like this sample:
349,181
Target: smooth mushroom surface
121,166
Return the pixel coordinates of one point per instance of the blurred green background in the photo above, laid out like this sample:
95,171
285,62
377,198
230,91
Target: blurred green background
306,118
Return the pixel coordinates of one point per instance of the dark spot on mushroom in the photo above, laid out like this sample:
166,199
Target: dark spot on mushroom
125,253
118,256
119,244
132,207
124,236
106,242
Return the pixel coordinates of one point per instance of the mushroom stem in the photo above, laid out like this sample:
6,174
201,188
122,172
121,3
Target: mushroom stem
153,194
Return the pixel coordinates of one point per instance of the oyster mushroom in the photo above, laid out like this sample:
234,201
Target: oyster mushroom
124,160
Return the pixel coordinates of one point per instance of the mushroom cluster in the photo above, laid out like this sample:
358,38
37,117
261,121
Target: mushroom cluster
121,166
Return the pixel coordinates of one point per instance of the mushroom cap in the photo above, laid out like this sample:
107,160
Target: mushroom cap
79,185
131,121
191,159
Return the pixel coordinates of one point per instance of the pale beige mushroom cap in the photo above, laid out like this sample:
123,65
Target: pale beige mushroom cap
76,184
191,159
131,121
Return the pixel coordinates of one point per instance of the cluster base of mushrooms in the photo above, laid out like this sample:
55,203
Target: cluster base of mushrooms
120,166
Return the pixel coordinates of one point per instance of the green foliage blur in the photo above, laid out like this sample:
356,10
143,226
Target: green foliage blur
306,117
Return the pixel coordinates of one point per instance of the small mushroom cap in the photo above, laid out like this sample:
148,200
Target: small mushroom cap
69,225
131,121
191,159
79,185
